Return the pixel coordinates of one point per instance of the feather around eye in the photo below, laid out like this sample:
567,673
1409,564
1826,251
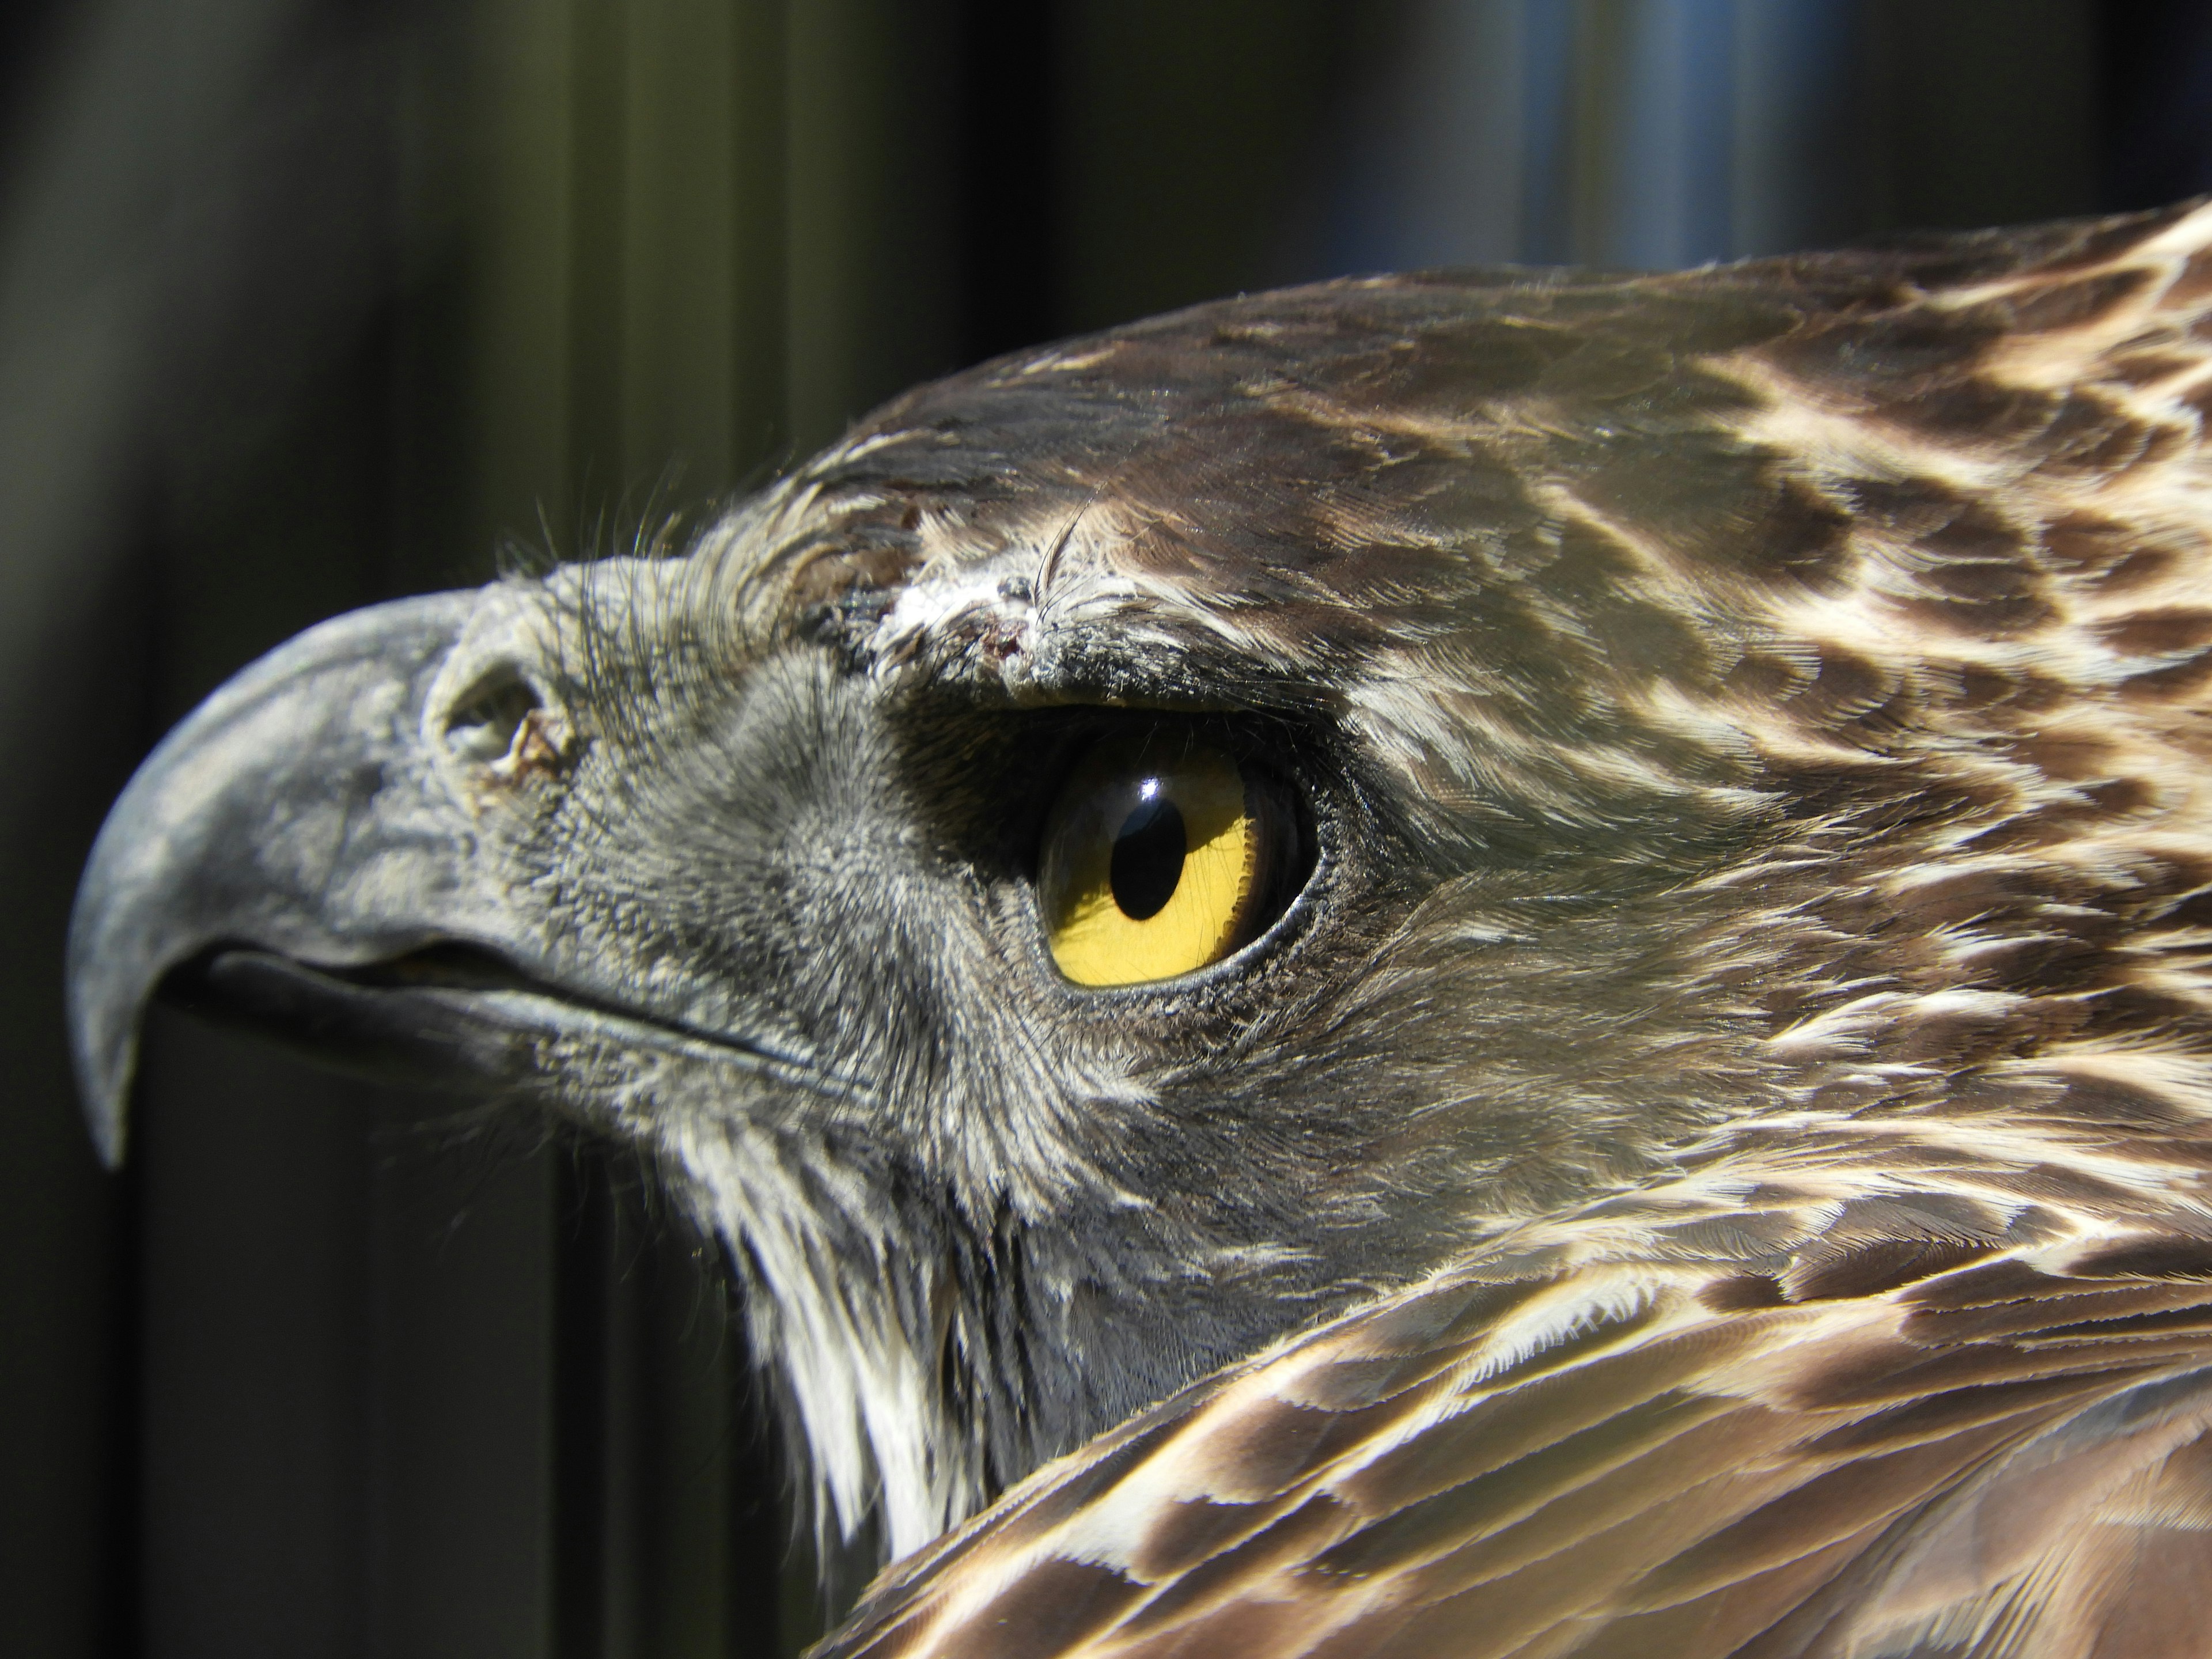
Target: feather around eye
1158,861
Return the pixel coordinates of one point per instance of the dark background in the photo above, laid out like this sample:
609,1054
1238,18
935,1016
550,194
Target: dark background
309,303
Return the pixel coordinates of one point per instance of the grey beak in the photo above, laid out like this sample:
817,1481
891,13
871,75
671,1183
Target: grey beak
299,811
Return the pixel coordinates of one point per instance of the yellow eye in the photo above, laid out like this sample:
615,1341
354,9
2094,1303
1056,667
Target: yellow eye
1160,857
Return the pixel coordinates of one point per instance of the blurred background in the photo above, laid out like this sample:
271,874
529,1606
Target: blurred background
309,303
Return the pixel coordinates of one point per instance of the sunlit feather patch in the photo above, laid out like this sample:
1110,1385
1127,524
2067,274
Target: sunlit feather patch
1162,855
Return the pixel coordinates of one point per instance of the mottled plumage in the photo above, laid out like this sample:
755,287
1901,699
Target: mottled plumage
1713,1162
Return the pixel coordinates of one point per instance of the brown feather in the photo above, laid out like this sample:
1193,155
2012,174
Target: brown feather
1909,1363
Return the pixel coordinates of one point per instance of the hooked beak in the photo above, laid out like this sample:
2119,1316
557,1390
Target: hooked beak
295,828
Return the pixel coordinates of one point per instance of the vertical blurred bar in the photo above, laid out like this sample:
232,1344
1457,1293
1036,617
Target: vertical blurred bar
597,177
75,631
1983,111
461,1322
1652,109
1801,173
699,226
1008,161
79,626
255,1369
871,204
1189,137
1548,70
506,159
2155,95
1431,151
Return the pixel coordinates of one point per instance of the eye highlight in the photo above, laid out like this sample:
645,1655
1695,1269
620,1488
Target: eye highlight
1162,855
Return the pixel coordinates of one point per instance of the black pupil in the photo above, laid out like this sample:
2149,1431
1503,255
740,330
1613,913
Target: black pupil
1147,857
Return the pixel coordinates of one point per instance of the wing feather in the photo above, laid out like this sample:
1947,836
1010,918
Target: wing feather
1854,1476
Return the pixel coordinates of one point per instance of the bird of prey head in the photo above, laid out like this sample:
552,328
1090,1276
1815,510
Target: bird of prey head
1521,956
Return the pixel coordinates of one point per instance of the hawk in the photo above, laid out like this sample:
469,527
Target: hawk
1499,963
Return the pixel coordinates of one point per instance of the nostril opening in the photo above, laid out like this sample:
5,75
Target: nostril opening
481,728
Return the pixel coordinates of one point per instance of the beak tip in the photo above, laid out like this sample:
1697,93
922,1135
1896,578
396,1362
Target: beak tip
103,1087
107,1119
104,1054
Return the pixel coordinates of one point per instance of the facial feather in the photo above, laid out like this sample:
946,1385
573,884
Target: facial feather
1670,635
